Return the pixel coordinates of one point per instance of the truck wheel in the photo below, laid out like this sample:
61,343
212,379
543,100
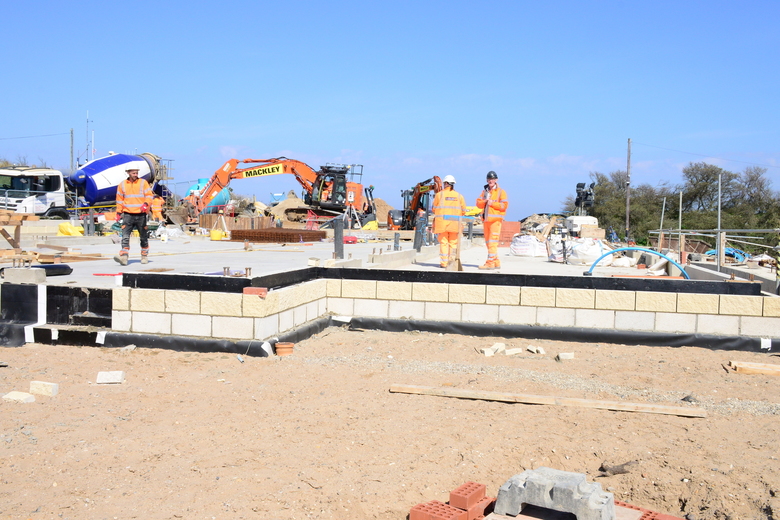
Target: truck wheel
58,214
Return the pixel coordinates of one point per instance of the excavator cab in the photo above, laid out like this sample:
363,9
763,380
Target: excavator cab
330,188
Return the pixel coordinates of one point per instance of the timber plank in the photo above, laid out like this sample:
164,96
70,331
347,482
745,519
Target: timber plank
549,400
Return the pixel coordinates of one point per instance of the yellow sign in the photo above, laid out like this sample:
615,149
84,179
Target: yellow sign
262,171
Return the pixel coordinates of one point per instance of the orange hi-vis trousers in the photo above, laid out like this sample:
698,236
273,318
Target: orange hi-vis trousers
492,232
448,245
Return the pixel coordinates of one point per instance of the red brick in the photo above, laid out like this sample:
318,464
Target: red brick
435,510
467,495
262,292
479,509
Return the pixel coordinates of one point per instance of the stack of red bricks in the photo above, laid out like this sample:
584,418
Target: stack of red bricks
467,502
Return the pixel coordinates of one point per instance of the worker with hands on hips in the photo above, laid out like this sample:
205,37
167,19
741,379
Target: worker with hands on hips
133,199
493,203
448,203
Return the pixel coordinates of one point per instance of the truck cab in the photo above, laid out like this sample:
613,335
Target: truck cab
40,191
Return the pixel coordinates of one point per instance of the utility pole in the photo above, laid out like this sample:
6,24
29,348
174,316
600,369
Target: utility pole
628,188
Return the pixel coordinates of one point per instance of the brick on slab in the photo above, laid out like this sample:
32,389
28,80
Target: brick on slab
467,495
435,510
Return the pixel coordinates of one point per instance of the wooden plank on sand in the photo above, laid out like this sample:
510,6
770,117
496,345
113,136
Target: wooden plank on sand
550,400
745,367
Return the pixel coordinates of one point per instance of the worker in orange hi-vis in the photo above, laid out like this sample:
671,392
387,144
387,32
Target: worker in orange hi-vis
448,206
157,207
493,203
133,199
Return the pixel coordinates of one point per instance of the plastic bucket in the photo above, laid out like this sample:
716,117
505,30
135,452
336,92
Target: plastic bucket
217,234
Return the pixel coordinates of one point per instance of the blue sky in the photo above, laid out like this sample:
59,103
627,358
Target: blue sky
541,92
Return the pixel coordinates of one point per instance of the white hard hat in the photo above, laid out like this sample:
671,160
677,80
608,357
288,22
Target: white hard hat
449,179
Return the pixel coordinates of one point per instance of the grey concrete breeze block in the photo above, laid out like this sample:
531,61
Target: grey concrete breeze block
558,490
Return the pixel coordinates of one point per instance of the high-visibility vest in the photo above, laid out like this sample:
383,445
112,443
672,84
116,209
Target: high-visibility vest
447,202
157,204
495,207
130,196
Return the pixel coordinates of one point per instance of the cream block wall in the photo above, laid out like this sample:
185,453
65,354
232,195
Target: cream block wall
240,316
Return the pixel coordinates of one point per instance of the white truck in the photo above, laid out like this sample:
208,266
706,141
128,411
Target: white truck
41,191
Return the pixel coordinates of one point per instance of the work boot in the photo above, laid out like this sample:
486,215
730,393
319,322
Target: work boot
144,259
497,264
121,259
488,265
443,265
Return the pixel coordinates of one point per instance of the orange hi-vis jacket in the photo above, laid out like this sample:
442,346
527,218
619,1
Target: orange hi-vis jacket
447,203
130,196
495,207
157,205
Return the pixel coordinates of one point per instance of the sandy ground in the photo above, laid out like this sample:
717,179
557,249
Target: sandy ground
318,434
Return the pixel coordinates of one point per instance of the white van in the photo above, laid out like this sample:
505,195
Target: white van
41,191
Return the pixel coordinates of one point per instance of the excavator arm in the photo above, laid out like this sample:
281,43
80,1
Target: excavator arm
250,168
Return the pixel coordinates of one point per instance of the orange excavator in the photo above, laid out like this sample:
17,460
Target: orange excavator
416,199
328,192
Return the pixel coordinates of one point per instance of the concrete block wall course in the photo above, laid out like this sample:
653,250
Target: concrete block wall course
299,315
394,290
627,320
120,299
182,302
372,308
121,320
616,300
656,302
229,327
502,295
221,304
438,311
466,293
313,310
333,288
286,320
717,325
771,307
430,292
151,322
737,305
147,300
253,306
479,313
537,296
267,327
322,306
555,317
343,306
575,298
760,327
358,289
673,322
594,318
316,289
408,310
698,303
191,325
516,315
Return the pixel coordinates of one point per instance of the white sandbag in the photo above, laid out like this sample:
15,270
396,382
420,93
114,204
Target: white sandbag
624,261
527,245
585,251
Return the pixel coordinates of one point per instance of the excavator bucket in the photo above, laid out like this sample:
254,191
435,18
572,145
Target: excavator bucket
178,216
